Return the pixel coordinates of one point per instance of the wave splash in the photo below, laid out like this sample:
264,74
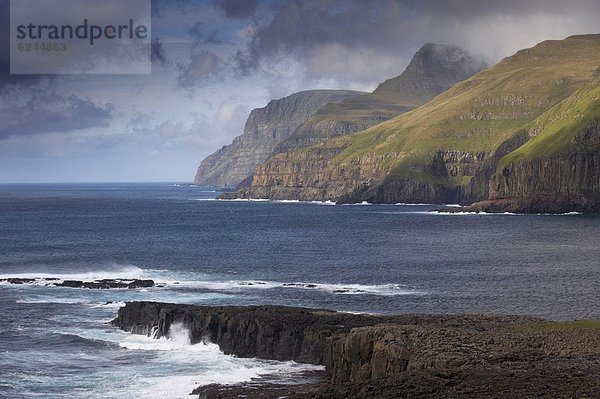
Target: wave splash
209,364
109,271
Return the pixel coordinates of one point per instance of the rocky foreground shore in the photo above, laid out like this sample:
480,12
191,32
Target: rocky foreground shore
404,356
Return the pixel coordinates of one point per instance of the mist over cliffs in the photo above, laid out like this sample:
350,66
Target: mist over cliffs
433,69
308,117
264,129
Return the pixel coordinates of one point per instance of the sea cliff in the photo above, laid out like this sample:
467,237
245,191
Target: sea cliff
521,136
306,118
265,128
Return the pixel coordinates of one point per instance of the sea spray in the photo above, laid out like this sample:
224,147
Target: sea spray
179,334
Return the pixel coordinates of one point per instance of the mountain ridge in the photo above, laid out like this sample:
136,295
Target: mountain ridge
433,69
447,150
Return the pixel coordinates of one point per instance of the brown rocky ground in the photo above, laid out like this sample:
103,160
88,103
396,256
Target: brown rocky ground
405,356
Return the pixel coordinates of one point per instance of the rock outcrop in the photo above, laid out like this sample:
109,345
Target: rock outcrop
265,128
107,284
95,284
369,356
515,135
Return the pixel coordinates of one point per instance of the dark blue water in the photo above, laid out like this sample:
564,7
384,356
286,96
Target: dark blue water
55,342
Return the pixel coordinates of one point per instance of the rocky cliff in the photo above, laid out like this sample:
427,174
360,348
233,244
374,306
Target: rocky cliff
370,356
524,127
433,69
265,128
558,169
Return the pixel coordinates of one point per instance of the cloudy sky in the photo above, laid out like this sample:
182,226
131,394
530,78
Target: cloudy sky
215,60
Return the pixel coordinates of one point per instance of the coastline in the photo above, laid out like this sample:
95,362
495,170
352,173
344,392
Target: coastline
410,355
531,205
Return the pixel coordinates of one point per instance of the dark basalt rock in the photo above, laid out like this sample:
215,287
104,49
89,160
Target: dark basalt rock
141,284
258,390
405,356
107,284
18,280
301,285
536,203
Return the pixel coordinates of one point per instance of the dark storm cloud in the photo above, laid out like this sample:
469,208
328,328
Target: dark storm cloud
203,65
357,38
238,8
204,36
157,52
40,112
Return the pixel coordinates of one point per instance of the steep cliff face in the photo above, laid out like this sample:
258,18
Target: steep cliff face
265,128
520,116
305,175
433,69
558,170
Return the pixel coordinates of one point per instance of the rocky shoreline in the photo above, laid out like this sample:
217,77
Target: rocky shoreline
369,356
102,284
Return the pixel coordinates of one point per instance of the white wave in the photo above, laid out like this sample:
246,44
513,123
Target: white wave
103,321
328,202
442,213
461,213
382,289
343,289
209,363
427,204
168,281
287,201
245,200
178,339
51,299
359,203
223,370
560,214
294,201
109,305
225,285
113,271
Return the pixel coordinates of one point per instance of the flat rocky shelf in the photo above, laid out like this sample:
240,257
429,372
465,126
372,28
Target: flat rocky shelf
404,356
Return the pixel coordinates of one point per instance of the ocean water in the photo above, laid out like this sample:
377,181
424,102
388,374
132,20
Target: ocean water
56,342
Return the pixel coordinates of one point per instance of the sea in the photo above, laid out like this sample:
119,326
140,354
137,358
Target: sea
56,342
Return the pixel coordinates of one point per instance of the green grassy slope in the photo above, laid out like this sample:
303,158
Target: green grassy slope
433,69
522,92
556,129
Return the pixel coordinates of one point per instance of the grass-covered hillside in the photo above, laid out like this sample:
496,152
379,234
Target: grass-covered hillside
434,69
529,105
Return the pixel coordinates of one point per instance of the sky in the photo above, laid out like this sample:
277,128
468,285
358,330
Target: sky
215,60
